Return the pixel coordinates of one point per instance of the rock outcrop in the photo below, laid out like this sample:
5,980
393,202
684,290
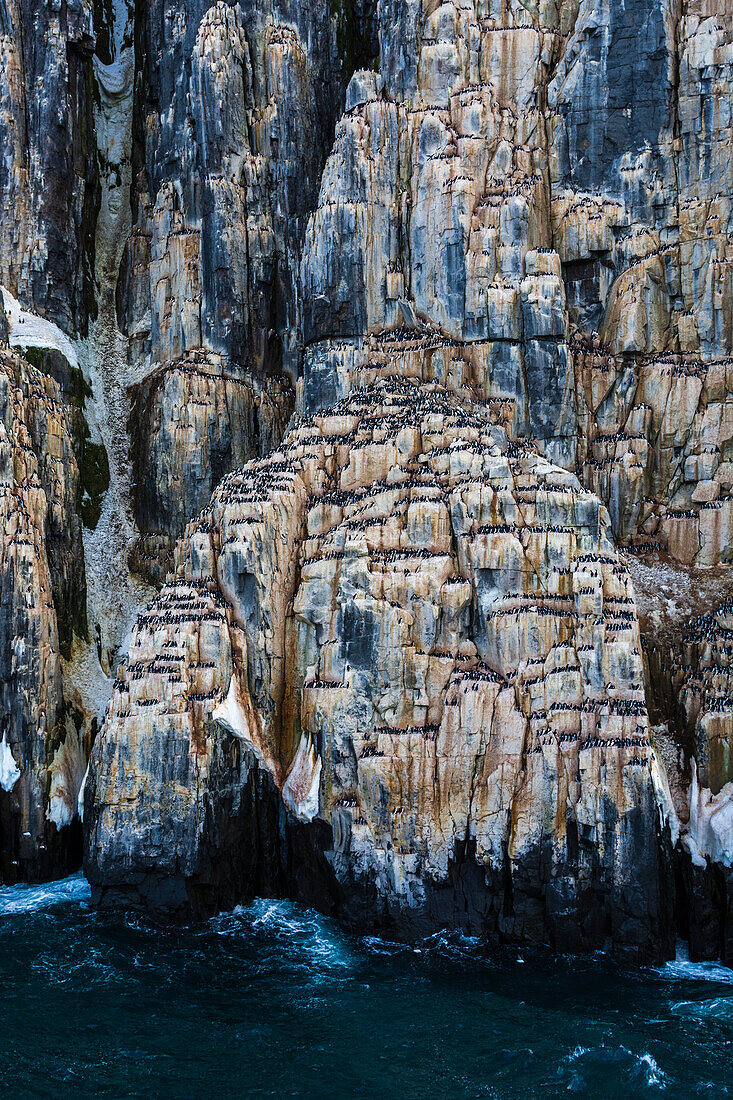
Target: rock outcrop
235,108
551,194
425,641
48,169
395,357
158,165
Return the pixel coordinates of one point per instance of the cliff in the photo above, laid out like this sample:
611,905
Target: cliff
426,640
404,333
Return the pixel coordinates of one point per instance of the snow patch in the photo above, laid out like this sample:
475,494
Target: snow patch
231,715
9,770
80,797
665,801
689,844
28,330
68,769
301,789
711,822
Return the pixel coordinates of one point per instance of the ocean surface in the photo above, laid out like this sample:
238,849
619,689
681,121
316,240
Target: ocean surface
274,1000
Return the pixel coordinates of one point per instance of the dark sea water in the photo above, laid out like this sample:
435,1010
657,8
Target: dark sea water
276,1001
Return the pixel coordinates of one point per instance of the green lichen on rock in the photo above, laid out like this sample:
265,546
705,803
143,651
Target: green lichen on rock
91,458
93,482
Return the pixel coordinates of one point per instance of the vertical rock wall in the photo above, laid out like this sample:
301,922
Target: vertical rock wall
158,165
396,667
40,752
235,107
48,179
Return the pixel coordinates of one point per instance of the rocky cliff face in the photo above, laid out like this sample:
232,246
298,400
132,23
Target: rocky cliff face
235,108
41,565
451,348
426,640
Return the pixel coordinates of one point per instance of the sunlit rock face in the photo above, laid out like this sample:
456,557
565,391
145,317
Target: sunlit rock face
435,300
425,641
194,421
641,173
419,655
157,166
551,192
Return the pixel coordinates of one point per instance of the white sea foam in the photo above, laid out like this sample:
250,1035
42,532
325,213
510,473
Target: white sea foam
642,1068
681,968
317,942
698,972
651,1072
31,899
712,1008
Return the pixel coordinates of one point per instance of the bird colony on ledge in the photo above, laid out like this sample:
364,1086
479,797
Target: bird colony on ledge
366,450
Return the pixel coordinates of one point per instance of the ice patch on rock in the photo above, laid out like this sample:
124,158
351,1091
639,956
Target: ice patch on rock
68,769
80,797
231,715
28,330
665,801
301,788
689,844
711,822
9,770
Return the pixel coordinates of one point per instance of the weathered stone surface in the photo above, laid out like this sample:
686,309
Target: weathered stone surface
39,556
191,423
158,164
431,649
397,669
702,676
235,108
532,189
48,172
687,662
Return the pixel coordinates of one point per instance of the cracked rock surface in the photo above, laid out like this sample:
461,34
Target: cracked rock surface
425,639
373,365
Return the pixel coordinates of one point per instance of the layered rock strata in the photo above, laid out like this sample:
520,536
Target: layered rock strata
553,193
157,169
704,680
396,670
48,170
426,643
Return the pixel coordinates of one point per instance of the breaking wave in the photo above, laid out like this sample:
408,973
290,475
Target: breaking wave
682,968
582,1065
283,926
32,899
